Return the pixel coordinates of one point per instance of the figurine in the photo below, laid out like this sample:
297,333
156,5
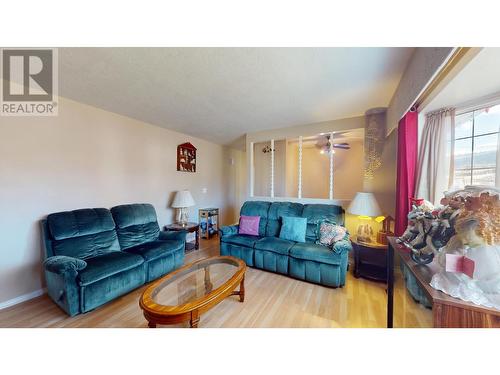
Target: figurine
482,285
425,231
464,236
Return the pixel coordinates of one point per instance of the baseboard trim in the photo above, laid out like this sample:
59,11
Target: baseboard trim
23,298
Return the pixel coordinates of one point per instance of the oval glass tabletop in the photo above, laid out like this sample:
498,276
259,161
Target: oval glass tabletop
195,282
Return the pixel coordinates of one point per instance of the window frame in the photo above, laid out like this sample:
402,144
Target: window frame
472,137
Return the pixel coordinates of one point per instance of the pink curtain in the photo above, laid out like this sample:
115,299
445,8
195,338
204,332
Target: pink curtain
406,168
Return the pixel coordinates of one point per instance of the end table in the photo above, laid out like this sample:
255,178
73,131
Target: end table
190,228
209,222
370,260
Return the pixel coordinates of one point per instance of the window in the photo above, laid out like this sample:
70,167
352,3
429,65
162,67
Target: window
476,147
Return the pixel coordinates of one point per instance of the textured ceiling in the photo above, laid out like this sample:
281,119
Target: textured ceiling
219,94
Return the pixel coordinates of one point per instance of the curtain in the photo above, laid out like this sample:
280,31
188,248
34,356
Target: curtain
435,162
406,166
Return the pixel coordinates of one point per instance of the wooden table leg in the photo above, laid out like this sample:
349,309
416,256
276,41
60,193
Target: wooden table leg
390,286
197,239
195,319
151,325
240,292
208,283
242,289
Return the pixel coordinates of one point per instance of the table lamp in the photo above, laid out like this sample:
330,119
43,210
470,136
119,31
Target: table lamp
365,206
183,199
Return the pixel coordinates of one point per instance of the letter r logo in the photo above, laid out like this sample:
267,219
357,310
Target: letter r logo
27,75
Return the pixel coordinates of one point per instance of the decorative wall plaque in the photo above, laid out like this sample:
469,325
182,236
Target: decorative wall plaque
186,157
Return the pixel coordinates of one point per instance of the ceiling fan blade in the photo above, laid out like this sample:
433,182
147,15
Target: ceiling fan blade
344,146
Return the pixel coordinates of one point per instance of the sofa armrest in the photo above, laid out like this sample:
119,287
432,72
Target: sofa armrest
342,246
228,230
173,235
64,265
62,285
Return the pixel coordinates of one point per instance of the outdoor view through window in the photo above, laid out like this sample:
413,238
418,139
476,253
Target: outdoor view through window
476,147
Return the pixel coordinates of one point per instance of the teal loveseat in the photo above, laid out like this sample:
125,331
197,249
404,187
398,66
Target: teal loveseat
94,255
305,261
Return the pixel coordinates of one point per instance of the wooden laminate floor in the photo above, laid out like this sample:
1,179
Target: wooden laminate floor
271,300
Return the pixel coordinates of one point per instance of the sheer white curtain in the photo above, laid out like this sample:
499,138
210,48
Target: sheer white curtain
435,157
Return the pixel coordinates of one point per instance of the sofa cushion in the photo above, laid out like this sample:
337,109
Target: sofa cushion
241,239
276,211
293,229
87,246
136,224
83,233
314,252
316,213
156,249
257,208
77,223
275,245
106,265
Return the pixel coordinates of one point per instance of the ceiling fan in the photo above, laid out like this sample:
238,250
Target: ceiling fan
324,147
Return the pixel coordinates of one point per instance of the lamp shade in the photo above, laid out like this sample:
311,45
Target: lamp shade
364,204
183,198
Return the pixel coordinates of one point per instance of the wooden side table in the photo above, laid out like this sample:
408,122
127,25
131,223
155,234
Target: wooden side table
370,260
190,228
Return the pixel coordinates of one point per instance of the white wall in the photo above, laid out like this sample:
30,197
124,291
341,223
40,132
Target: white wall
87,157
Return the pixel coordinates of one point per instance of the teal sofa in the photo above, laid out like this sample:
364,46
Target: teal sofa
94,255
305,261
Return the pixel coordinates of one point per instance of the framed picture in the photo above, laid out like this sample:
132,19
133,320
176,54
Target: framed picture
186,157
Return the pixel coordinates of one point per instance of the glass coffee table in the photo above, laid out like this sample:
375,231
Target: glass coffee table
186,293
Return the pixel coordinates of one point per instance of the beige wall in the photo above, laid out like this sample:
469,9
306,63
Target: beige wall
235,183
262,169
315,173
347,176
292,168
292,133
87,157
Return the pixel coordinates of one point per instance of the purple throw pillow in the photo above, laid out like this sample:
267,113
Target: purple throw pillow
249,225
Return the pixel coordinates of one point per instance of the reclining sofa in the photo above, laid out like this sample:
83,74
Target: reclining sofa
305,261
94,255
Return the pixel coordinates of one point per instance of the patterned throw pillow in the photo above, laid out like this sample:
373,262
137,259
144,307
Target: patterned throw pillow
329,233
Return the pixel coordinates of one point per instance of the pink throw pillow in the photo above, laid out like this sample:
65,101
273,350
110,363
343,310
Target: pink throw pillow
249,225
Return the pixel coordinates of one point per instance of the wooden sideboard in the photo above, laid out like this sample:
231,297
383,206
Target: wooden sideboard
447,312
